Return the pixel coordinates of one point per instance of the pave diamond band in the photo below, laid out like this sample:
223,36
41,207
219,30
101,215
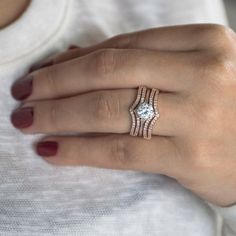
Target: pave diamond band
144,112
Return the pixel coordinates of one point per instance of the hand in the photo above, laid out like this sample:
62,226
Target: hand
90,90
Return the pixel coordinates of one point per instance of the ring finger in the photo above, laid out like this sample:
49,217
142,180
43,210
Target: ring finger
104,111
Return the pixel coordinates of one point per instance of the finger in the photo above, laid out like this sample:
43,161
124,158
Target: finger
157,155
171,38
98,112
110,69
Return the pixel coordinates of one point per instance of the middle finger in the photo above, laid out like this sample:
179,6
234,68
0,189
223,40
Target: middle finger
110,69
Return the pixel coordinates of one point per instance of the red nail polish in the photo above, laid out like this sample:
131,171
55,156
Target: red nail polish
22,88
22,117
41,65
47,148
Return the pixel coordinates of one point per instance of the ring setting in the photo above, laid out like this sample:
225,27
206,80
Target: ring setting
144,112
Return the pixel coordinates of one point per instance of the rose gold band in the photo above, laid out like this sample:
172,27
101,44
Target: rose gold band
143,126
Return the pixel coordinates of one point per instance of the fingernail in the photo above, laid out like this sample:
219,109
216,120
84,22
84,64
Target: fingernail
22,88
41,65
47,148
71,47
22,117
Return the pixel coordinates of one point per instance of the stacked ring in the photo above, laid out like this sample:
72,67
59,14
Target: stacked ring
144,112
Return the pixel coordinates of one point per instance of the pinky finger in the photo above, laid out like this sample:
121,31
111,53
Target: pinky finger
113,151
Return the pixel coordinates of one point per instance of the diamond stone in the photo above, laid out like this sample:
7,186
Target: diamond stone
145,111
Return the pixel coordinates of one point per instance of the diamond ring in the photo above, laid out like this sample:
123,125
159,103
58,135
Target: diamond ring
144,112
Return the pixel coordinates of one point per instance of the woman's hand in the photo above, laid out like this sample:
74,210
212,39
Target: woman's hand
90,90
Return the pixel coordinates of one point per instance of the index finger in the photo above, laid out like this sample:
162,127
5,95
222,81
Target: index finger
189,37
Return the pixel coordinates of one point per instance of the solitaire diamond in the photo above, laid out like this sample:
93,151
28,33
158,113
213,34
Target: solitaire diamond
145,111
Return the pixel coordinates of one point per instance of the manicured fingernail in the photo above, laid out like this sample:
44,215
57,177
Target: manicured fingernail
47,148
41,65
71,47
22,88
22,117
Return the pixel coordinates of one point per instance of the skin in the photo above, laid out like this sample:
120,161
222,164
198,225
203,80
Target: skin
10,10
90,90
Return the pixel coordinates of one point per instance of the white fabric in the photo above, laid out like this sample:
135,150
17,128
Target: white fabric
39,199
229,219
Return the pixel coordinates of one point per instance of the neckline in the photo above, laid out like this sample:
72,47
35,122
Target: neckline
40,22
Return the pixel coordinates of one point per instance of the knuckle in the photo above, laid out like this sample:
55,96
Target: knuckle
220,62
120,151
105,62
219,35
215,69
106,107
